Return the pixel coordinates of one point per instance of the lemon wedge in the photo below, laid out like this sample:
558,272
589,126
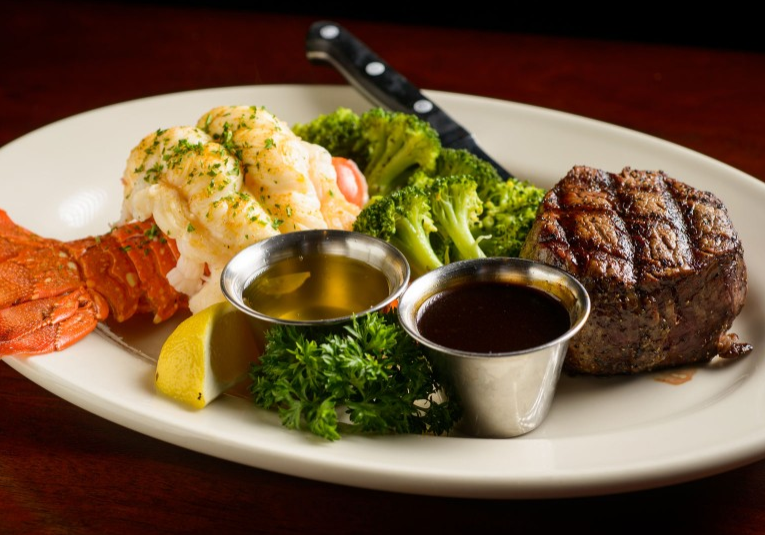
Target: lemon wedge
207,354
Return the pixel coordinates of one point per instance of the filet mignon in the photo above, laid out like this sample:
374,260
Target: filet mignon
662,263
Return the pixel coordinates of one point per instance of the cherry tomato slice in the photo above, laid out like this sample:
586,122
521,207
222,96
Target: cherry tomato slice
351,181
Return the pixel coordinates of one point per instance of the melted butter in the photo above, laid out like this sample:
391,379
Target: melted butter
316,287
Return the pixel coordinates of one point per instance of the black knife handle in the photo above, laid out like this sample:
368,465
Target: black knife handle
328,42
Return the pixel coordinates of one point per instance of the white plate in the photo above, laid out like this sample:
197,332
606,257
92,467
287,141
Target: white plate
602,435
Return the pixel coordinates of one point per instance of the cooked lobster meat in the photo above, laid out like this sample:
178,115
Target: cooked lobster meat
661,260
239,176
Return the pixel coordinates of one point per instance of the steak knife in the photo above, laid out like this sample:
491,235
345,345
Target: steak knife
329,43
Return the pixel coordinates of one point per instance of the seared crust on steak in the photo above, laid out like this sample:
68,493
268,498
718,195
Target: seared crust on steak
662,263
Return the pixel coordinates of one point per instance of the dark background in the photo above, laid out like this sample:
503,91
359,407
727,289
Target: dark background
717,25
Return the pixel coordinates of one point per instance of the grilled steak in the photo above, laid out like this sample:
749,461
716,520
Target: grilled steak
662,263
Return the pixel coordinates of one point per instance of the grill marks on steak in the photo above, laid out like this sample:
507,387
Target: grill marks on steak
662,263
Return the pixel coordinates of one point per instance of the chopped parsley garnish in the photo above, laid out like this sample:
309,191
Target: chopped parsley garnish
152,232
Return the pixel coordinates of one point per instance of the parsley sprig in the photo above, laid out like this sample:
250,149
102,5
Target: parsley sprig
369,368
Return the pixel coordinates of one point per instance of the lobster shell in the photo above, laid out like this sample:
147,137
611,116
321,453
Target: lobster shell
54,293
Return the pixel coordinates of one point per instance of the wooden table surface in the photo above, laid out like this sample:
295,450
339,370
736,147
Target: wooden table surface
64,470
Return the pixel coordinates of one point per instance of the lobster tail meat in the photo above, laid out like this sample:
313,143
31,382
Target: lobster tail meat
54,293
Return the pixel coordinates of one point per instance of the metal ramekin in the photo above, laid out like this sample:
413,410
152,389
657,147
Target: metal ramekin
253,260
503,394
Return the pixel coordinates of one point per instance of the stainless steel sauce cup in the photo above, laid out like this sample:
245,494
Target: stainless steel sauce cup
502,394
252,261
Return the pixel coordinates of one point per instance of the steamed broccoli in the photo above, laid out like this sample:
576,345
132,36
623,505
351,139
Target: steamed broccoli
456,206
452,162
399,144
426,225
387,146
395,150
509,206
403,218
339,132
509,211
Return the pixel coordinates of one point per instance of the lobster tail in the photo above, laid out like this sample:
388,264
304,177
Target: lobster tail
54,293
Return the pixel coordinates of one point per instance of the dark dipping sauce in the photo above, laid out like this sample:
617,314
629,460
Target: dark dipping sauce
492,317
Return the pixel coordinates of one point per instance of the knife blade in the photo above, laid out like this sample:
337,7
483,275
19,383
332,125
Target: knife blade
330,43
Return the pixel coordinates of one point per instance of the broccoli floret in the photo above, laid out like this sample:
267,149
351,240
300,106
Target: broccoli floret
395,150
509,207
462,162
452,162
387,146
456,206
398,144
403,219
339,132
509,211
